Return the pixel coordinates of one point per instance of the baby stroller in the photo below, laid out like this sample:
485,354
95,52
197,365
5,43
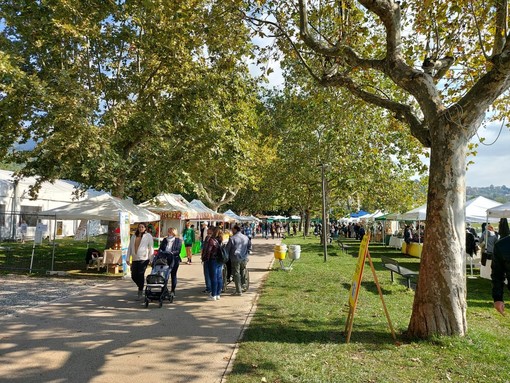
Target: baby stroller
156,288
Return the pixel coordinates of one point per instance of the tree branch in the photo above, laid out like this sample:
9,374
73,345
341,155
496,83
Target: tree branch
339,50
500,30
402,112
259,22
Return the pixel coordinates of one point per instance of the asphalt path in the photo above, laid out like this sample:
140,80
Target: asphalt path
95,331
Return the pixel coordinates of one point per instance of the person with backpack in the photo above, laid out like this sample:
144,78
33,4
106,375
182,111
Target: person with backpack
212,257
238,249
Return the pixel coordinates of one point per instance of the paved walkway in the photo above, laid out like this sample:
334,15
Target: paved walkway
103,335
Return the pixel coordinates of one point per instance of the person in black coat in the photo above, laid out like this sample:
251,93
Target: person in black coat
470,243
170,248
500,271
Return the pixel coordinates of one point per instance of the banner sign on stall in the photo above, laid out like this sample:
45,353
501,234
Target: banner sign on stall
40,229
363,254
124,238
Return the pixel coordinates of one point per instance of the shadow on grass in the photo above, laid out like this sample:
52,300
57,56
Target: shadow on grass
294,335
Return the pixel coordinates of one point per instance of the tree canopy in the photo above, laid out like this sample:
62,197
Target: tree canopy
117,95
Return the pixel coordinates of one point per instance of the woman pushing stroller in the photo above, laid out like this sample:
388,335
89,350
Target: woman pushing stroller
170,248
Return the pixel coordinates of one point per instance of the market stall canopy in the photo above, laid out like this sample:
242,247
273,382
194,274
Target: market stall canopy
372,216
104,208
417,214
207,212
231,214
276,218
476,209
501,211
389,217
171,206
359,214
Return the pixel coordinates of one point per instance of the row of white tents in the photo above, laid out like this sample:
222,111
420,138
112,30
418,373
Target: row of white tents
57,206
477,210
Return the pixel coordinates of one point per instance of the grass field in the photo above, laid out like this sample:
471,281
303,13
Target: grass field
296,334
69,256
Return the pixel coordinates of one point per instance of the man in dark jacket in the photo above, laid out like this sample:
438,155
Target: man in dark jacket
238,248
170,248
500,271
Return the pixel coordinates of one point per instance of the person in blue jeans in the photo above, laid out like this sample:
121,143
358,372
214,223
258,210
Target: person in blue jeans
210,255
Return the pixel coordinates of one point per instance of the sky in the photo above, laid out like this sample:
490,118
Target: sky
492,163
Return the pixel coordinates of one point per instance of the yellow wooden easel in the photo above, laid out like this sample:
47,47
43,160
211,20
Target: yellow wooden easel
363,254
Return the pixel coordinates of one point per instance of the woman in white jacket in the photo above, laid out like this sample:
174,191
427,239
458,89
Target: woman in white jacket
141,252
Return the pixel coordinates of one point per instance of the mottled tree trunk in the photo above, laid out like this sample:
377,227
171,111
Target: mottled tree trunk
440,301
306,228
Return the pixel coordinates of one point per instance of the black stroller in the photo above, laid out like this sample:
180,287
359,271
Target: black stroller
156,287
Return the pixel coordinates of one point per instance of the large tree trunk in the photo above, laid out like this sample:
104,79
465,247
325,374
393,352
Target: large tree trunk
306,228
440,302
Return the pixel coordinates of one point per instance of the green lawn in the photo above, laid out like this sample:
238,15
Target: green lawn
16,257
296,334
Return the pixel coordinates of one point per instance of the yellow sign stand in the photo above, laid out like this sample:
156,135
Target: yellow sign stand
363,254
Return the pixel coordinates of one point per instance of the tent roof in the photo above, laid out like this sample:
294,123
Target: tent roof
359,214
103,207
417,214
172,206
476,209
231,214
58,190
206,211
501,211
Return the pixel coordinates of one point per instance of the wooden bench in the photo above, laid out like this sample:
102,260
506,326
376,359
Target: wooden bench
344,247
394,267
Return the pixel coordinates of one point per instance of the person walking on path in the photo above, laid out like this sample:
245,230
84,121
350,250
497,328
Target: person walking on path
238,248
205,260
212,255
188,236
141,251
171,247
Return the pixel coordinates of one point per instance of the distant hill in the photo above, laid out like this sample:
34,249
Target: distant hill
497,193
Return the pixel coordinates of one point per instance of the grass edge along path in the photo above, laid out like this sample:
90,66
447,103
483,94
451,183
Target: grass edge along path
296,334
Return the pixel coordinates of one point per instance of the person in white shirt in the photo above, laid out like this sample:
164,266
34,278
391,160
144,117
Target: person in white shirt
141,252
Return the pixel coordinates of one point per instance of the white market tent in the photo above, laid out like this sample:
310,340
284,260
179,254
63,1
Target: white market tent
501,211
207,212
173,209
15,204
104,208
416,214
231,214
476,209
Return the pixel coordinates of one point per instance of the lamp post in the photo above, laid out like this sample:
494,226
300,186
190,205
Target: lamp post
324,223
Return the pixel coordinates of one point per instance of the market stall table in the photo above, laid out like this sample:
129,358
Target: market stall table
396,242
413,249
